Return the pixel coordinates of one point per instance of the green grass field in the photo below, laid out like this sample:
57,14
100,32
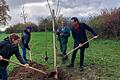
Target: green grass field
102,55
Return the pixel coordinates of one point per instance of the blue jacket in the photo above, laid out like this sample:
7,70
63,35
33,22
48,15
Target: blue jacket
7,50
66,33
80,35
25,39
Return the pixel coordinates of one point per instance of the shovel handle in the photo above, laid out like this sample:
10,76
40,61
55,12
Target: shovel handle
30,55
79,46
24,66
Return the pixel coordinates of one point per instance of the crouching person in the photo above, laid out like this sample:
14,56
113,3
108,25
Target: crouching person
8,47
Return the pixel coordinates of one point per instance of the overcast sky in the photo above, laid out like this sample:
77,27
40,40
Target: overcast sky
38,8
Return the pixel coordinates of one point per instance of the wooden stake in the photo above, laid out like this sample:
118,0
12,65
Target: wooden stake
54,41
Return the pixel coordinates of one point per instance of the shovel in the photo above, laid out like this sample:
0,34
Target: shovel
80,45
46,56
51,74
30,55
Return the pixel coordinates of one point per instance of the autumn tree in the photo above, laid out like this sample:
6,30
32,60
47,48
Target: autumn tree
4,12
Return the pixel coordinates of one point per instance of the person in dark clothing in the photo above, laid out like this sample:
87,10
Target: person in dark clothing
79,35
63,34
25,39
8,47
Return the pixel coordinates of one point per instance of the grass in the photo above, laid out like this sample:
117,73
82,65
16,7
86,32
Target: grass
102,55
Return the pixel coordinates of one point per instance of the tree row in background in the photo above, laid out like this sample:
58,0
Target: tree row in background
43,24
107,24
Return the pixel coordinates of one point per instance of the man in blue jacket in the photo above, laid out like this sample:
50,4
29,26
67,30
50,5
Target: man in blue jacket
63,34
8,47
79,35
25,39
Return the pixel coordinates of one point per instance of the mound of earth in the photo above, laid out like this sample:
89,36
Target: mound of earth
21,73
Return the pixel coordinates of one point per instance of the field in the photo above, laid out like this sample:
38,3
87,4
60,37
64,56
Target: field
102,58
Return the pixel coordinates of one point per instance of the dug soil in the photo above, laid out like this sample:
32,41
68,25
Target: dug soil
20,73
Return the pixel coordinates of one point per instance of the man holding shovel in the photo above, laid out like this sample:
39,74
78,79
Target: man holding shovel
8,47
79,35
25,39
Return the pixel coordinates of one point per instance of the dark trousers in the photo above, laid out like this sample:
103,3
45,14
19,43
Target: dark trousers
63,48
82,50
4,74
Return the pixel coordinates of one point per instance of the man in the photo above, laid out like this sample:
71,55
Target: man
63,33
25,39
8,47
79,35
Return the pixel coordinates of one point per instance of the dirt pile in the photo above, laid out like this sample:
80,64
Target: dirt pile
21,73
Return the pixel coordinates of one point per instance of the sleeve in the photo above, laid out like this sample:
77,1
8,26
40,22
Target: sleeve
90,29
2,43
18,56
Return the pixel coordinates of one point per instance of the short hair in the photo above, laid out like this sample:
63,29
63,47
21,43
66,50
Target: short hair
75,19
14,36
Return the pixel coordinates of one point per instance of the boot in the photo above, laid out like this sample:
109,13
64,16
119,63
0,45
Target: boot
81,68
70,65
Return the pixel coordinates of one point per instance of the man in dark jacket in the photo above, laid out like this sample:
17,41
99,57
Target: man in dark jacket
8,47
79,35
25,39
63,33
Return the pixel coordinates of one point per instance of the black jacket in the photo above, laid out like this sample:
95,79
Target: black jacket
7,50
25,39
80,34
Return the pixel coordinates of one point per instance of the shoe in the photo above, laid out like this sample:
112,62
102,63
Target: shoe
81,69
65,58
70,66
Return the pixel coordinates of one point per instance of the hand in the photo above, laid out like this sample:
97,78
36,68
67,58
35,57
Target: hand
95,37
1,58
80,44
26,65
61,34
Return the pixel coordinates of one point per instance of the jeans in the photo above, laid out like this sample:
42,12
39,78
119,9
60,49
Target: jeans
24,53
4,74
